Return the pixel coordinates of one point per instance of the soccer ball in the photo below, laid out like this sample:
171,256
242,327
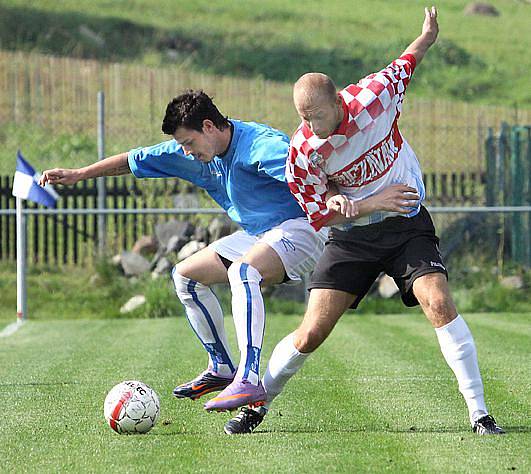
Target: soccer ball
131,407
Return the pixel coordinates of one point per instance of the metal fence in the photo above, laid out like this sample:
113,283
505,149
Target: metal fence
72,238
508,183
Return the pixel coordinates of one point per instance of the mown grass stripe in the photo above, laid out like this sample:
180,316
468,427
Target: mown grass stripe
397,342
504,367
60,365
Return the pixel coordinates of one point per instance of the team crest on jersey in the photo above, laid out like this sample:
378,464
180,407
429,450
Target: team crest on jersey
315,159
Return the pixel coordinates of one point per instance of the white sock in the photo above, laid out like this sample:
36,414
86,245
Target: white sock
249,318
284,363
205,315
459,351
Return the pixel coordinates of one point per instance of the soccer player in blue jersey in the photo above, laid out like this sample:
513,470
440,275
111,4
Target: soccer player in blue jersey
242,167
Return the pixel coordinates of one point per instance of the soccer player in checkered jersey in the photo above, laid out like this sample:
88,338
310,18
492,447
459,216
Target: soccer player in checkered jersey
350,140
242,167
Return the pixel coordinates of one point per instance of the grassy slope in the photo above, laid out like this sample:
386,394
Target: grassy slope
478,58
377,396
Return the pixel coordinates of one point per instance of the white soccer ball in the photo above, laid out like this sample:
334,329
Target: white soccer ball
131,407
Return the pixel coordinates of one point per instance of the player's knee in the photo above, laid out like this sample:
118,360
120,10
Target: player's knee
440,309
182,269
233,272
181,283
308,339
240,271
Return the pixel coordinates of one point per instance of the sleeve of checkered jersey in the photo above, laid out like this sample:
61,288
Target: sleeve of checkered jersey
399,72
309,185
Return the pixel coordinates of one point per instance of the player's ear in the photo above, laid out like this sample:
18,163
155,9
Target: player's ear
208,126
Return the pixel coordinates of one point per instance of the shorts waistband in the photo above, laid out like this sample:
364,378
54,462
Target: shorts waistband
395,221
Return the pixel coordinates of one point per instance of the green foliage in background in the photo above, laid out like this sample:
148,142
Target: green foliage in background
475,59
100,292
40,147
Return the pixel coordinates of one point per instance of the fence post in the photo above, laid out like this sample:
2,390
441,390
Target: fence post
501,165
501,193
516,195
527,218
490,153
102,230
527,172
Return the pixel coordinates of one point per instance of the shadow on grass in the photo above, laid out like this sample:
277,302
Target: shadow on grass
441,430
39,384
113,39
456,430
72,34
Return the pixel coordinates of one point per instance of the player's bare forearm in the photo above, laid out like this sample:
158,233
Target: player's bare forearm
363,208
430,30
119,166
112,166
116,165
399,198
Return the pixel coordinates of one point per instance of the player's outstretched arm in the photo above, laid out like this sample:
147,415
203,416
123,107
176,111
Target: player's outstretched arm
396,198
112,166
430,30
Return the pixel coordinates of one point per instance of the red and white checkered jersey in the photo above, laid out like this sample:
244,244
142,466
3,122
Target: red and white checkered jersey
365,154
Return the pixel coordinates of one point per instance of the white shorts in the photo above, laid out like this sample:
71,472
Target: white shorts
295,241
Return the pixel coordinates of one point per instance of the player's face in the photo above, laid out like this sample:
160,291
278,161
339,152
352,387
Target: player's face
321,116
199,144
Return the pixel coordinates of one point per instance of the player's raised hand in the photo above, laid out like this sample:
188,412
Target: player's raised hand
59,176
396,198
343,205
430,28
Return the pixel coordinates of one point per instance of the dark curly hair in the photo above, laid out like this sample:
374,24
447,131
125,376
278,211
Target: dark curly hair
189,110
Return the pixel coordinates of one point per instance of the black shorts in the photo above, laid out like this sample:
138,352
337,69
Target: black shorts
404,248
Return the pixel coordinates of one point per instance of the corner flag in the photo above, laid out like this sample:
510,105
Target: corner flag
26,185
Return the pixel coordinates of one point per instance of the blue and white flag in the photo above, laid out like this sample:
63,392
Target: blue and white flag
26,185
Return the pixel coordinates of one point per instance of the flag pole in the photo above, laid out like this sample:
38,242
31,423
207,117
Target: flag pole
21,263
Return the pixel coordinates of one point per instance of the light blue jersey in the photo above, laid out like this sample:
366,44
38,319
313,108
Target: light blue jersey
248,181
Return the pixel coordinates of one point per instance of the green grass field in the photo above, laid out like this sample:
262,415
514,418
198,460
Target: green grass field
377,396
